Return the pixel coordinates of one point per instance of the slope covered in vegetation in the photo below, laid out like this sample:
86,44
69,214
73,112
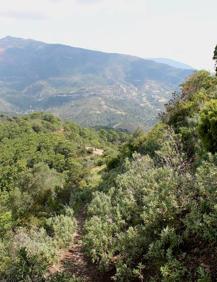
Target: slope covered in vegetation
154,218
149,199
46,170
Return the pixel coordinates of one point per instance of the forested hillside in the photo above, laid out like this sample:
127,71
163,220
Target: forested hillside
84,205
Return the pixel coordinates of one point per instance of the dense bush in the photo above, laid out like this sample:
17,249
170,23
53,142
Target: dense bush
156,219
62,228
208,126
149,219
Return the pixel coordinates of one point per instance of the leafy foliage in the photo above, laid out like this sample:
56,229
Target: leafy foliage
156,219
44,163
208,126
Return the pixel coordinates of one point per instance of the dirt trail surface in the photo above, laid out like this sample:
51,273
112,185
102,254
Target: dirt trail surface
95,151
74,261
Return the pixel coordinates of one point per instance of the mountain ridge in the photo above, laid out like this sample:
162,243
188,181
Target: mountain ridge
161,60
93,88
173,63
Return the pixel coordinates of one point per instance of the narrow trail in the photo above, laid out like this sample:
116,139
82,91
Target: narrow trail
74,261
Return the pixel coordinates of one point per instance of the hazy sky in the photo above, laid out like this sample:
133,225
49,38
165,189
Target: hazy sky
184,30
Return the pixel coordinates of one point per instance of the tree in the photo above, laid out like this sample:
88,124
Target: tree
215,58
208,126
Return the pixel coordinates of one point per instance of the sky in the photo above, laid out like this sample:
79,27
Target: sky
184,30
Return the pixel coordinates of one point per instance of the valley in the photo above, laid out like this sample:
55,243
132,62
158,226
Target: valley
89,87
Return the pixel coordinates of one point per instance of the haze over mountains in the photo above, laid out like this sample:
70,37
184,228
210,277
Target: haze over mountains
90,87
172,63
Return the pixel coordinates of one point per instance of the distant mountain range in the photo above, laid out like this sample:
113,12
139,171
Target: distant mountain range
172,63
90,87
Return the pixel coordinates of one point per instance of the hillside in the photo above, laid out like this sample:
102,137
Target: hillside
90,87
79,205
48,168
154,218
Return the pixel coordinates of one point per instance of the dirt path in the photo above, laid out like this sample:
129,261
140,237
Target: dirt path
74,260
95,151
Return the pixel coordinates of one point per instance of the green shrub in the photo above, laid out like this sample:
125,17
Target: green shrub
155,213
64,277
62,228
208,126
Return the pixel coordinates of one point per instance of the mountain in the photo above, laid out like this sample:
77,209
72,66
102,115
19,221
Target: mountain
173,63
90,87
